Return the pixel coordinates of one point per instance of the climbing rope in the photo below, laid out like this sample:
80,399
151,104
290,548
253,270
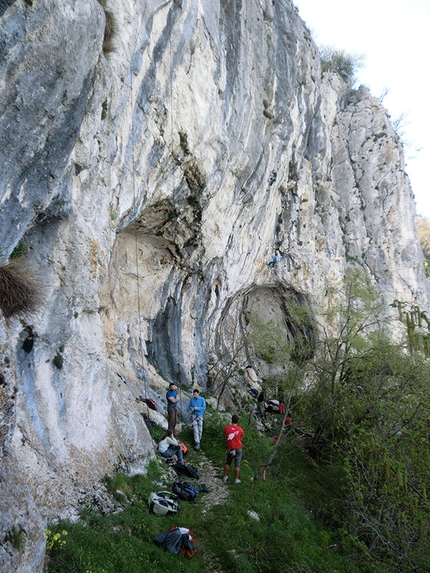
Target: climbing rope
136,242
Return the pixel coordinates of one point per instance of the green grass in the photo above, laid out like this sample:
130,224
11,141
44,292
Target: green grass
293,532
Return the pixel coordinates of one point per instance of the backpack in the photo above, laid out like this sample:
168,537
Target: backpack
272,406
184,491
152,405
177,540
163,503
150,423
186,471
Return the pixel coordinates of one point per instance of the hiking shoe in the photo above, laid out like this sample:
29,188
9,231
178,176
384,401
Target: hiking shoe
224,479
237,481
197,447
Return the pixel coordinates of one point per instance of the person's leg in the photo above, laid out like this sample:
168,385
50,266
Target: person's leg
180,455
227,465
177,451
226,470
171,419
237,460
200,428
195,423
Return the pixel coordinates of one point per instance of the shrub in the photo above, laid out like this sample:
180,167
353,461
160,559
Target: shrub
22,288
339,61
17,537
20,250
58,361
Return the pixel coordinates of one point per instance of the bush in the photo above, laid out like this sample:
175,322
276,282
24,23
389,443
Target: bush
339,61
20,250
22,289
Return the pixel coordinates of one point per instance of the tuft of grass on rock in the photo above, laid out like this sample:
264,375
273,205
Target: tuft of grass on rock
22,289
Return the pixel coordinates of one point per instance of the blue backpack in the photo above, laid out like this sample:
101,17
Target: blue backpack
185,491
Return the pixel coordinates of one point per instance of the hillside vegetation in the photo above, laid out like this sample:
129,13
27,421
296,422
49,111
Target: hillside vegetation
344,490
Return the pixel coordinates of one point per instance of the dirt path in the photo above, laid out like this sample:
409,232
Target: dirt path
210,476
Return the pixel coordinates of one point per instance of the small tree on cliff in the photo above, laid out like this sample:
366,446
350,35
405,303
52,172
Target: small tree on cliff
339,61
352,314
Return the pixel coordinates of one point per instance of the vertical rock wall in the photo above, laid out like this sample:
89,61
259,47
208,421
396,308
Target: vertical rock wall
138,179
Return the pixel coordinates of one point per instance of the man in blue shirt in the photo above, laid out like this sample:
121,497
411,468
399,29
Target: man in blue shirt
172,401
197,407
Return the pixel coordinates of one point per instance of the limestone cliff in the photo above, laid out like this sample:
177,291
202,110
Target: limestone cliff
135,169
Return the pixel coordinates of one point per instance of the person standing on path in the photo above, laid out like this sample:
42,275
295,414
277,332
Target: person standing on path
197,407
233,435
172,406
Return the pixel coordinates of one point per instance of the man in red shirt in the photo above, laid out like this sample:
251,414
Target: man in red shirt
233,435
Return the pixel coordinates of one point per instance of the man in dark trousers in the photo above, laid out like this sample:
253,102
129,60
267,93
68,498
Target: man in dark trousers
172,401
233,435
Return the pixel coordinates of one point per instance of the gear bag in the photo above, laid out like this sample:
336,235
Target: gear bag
163,503
177,540
185,491
186,471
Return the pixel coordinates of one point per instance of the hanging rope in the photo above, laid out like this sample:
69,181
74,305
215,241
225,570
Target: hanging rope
135,200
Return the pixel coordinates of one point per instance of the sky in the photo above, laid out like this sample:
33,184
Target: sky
394,38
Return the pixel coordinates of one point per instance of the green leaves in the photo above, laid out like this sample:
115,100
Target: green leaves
370,407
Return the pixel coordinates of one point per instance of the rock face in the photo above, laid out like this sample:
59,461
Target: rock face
138,179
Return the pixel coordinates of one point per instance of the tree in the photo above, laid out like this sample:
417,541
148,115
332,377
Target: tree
352,313
370,408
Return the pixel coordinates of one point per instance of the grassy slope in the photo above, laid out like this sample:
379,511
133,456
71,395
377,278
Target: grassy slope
292,533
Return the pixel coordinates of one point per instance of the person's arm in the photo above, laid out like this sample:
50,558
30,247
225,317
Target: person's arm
203,405
172,441
199,405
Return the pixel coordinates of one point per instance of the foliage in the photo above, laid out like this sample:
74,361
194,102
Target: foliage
17,537
279,534
58,361
339,61
57,539
272,344
417,326
369,412
346,490
20,250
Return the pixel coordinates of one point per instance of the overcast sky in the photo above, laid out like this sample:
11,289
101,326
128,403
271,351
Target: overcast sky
394,37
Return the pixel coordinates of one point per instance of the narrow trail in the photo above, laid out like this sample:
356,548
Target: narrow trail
211,477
